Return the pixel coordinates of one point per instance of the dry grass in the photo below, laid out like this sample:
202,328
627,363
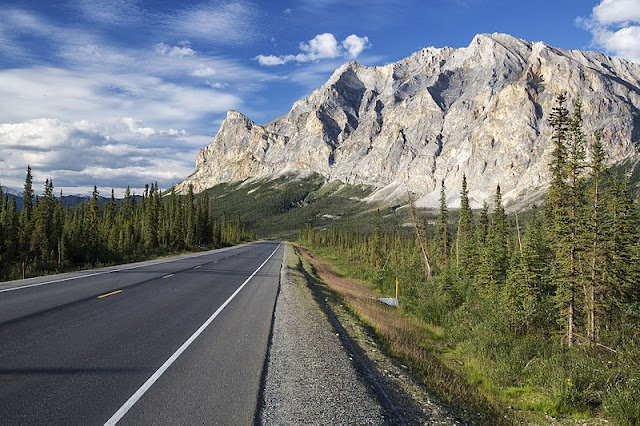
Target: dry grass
414,342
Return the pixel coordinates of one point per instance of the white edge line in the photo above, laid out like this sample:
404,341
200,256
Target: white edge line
151,380
118,270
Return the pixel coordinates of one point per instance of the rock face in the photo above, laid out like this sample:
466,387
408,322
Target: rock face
438,114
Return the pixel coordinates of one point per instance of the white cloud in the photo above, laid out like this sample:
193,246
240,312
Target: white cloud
217,84
355,45
270,60
203,72
112,12
624,42
225,22
613,26
617,11
82,154
322,46
164,49
103,97
130,112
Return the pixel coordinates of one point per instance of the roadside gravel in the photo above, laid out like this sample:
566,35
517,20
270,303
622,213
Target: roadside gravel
310,376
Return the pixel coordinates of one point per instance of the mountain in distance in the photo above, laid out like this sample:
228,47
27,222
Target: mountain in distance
440,113
67,200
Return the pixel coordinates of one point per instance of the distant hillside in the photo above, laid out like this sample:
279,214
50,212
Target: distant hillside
278,207
67,200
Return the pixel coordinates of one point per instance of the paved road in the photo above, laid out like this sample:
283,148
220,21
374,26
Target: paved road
161,342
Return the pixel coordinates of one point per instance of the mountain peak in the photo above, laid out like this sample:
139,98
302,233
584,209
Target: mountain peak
436,115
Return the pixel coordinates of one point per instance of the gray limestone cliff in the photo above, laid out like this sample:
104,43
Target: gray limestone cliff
481,110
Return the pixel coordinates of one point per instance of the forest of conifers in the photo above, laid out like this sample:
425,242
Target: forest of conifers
46,237
552,304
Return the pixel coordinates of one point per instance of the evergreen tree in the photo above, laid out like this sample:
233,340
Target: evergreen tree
12,233
494,256
528,278
91,227
442,230
465,247
42,241
150,212
377,251
26,223
565,212
623,236
596,234
190,220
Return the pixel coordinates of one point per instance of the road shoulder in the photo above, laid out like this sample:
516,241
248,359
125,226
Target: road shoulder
310,376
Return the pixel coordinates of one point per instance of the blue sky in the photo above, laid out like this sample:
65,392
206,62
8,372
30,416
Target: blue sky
124,92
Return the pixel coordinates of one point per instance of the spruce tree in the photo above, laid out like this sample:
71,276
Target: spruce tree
623,236
596,237
465,247
377,251
565,213
528,278
150,212
442,230
12,232
494,257
91,227
190,222
26,222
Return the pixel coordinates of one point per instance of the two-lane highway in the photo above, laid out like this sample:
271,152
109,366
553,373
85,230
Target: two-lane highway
175,341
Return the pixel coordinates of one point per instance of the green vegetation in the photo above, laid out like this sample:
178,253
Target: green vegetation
46,237
542,315
276,208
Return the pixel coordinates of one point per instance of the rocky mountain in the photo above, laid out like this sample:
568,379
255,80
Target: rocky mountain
442,112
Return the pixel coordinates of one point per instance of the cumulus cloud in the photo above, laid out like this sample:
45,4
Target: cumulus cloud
617,11
133,112
83,153
615,26
355,45
165,49
322,46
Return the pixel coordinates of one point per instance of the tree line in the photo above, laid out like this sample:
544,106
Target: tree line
571,273
45,236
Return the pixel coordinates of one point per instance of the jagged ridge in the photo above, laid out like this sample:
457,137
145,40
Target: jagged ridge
480,110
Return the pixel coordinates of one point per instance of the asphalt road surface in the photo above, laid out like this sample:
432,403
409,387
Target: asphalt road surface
172,341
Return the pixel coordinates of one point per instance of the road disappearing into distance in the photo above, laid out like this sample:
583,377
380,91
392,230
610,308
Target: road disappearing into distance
180,340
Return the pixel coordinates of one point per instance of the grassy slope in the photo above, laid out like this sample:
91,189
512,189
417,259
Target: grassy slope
278,208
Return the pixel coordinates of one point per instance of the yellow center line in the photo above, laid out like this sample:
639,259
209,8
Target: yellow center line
196,267
215,261
109,294
167,276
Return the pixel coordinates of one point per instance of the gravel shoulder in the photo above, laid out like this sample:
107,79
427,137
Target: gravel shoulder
325,366
310,377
